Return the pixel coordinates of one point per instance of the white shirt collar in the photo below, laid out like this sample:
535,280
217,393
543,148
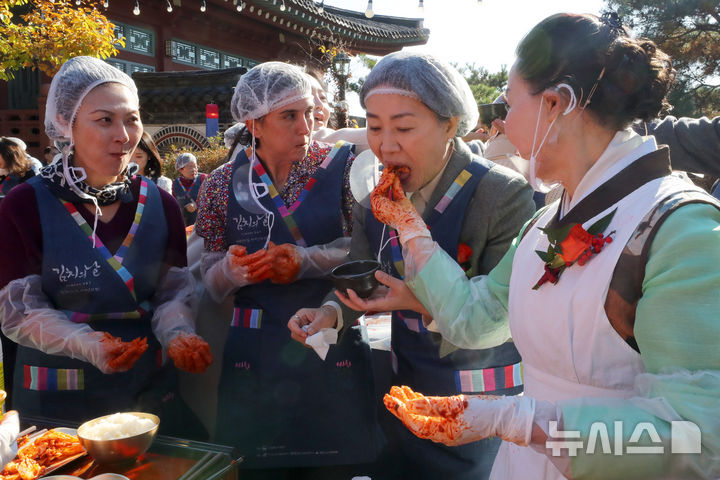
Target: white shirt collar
625,147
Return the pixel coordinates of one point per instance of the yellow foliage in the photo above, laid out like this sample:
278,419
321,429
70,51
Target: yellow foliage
51,33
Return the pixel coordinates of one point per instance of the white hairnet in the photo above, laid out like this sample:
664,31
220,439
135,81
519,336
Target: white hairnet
76,78
435,83
183,159
267,87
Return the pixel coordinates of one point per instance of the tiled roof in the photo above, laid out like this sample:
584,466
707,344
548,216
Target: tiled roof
349,24
167,97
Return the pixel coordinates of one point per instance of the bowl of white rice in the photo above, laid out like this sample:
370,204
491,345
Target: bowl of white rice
118,438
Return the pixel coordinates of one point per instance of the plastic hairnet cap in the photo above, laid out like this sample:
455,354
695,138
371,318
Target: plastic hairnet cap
266,88
76,78
438,85
183,159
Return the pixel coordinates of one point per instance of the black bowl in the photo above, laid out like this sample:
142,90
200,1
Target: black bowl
358,276
491,111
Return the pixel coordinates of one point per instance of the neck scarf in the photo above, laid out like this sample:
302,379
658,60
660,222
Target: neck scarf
54,176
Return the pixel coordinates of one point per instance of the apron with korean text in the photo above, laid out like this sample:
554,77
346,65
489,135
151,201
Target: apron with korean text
422,361
279,403
109,292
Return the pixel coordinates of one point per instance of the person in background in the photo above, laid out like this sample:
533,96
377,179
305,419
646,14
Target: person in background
322,132
94,286
610,294
275,221
35,164
149,162
417,106
186,186
15,165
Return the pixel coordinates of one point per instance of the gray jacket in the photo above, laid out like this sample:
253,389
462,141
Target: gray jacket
694,142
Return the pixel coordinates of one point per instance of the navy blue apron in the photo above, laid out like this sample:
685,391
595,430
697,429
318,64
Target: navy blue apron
279,403
81,283
186,196
422,361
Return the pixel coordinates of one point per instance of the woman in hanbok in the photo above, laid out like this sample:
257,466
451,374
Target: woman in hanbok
611,292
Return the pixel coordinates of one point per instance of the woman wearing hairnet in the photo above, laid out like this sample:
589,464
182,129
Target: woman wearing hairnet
417,108
610,293
94,278
186,186
269,219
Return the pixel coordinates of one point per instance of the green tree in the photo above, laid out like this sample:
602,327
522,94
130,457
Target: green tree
689,31
485,86
43,34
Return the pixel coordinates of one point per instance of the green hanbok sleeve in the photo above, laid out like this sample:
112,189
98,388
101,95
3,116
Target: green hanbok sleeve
675,409
469,313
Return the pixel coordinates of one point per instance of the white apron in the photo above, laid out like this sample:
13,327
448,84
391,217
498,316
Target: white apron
568,346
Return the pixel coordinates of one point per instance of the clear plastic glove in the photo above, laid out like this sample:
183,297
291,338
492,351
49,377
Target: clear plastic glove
398,211
174,305
289,263
319,260
9,429
393,295
309,321
225,272
29,319
120,356
190,353
279,263
462,419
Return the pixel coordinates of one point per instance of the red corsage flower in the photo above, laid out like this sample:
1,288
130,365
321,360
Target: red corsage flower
464,254
572,244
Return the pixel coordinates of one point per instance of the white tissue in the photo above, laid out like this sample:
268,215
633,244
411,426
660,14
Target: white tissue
321,341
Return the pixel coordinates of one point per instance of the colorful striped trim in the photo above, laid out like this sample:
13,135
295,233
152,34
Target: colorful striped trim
53,379
122,272
285,213
413,324
80,317
246,318
460,180
396,250
120,254
489,379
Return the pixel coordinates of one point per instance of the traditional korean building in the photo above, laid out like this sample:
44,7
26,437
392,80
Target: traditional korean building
213,42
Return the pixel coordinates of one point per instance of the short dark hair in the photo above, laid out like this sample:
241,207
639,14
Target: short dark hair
153,168
16,160
634,75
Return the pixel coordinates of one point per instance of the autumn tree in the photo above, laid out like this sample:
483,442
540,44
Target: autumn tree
689,31
486,86
43,34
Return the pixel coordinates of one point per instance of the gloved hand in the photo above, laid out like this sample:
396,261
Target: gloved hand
398,211
9,429
280,264
238,262
190,353
120,356
462,419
